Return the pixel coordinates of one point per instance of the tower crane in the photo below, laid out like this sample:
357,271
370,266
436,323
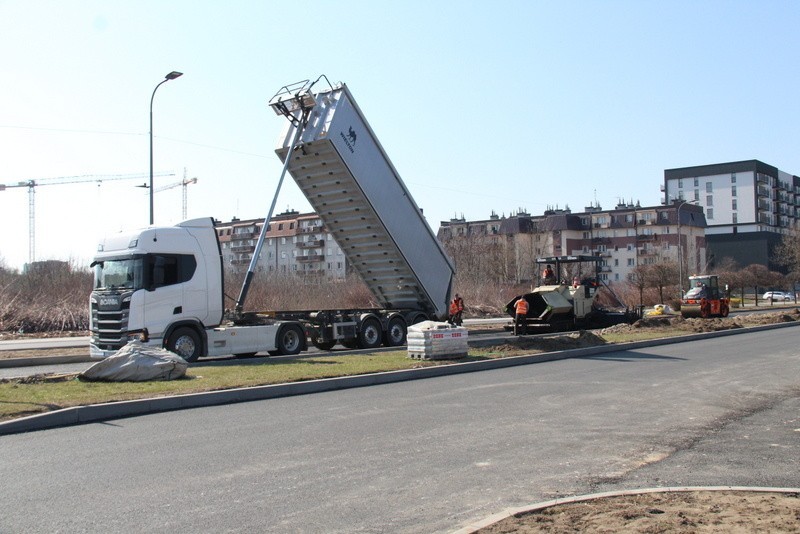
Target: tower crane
185,182
62,180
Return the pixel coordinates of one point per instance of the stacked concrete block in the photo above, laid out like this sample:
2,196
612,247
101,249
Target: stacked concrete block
432,340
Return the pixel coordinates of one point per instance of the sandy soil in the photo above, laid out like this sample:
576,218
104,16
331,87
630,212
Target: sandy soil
673,512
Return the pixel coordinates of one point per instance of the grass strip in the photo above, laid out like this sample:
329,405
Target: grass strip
32,396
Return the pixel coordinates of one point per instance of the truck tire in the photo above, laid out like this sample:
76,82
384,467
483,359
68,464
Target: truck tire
369,336
289,341
322,345
185,342
396,333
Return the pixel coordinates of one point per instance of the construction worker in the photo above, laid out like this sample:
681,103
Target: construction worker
548,276
521,317
456,310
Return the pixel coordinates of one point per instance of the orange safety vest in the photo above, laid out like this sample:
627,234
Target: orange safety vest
453,308
522,307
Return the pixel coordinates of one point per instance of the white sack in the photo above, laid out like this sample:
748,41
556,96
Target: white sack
137,363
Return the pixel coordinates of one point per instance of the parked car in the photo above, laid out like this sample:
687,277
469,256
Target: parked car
777,295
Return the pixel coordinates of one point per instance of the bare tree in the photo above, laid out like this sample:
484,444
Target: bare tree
661,275
787,253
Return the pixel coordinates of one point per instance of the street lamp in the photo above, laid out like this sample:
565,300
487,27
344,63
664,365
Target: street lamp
171,76
680,245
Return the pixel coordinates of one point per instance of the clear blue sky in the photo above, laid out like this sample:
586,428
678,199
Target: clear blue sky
480,105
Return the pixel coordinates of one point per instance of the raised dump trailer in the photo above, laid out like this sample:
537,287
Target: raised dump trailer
167,284
343,170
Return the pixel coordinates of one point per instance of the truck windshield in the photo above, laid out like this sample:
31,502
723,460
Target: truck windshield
122,273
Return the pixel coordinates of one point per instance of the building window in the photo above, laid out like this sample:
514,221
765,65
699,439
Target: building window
680,182
630,248
630,262
616,277
733,204
733,190
709,200
616,262
586,235
280,226
709,187
697,182
733,177
734,217
697,194
283,241
710,213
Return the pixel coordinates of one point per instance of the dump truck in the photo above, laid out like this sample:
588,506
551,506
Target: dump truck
569,301
166,284
704,298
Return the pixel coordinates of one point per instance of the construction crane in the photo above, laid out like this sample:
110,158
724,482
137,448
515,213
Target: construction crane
185,182
63,180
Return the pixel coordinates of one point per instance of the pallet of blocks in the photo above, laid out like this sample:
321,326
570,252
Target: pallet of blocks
431,340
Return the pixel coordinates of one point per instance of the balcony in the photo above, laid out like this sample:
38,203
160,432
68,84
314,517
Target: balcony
311,229
242,248
242,235
310,259
647,251
764,192
647,237
319,243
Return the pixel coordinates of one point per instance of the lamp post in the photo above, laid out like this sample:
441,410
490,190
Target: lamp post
171,76
680,245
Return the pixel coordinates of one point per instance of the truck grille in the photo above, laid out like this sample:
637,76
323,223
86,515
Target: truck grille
110,326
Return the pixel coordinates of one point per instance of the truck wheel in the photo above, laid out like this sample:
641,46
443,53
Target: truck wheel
370,335
396,333
322,345
185,343
290,340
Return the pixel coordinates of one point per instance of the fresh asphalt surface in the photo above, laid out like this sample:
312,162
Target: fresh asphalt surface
428,455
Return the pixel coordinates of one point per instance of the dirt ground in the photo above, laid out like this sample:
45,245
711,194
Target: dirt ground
670,512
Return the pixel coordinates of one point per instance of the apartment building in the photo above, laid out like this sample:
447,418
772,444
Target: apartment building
295,243
749,206
627,236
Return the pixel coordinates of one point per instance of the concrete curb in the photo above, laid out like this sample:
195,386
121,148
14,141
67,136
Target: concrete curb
113,410
7,363
495,518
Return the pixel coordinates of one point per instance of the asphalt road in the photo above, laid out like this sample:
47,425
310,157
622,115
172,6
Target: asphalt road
423,456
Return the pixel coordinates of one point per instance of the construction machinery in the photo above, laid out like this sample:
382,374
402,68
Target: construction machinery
704,298
167,282
568,301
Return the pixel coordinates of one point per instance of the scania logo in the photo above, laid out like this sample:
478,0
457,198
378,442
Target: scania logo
108,301
349,139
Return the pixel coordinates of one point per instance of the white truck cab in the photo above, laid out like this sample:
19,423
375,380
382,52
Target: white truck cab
168,284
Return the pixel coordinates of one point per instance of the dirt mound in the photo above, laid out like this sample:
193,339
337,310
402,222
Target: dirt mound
573,340
677,323
696,511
